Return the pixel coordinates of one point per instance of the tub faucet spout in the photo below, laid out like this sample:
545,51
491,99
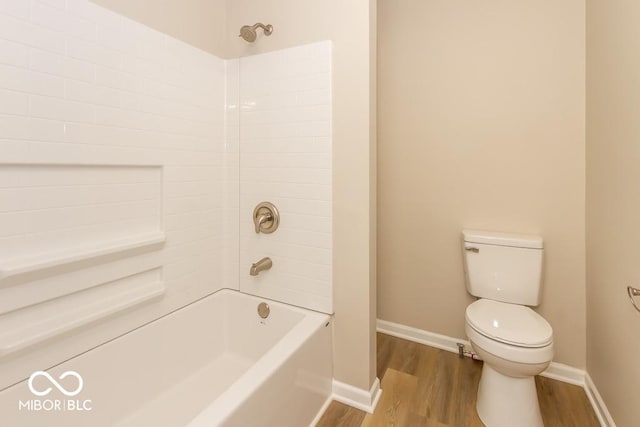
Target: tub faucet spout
264,264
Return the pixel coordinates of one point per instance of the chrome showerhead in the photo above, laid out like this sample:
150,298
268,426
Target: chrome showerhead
249,34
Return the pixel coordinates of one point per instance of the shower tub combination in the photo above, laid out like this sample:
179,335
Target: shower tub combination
215,362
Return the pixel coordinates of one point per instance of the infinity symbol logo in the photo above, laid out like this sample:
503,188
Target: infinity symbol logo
55,383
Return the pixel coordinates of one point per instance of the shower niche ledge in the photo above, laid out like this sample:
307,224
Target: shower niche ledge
79,244
24,265
58,218
29,326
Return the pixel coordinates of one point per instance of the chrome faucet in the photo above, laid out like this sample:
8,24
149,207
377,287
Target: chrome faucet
262,265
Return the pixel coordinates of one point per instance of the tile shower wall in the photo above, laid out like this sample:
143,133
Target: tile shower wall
118,184
285,158
232,165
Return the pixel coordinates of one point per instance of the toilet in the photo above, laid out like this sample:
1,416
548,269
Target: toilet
504,271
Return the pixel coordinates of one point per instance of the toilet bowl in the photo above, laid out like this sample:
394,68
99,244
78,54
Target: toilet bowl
516,343
512,357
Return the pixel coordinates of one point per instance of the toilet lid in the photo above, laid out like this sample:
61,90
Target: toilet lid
509,323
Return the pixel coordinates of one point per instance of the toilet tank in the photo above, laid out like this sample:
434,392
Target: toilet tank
503,266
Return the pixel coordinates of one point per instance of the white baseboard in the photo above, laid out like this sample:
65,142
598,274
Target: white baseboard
420,336
556,371
321,411
357,397
605,418
565,373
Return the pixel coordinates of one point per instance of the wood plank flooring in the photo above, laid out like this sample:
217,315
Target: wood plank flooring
426,387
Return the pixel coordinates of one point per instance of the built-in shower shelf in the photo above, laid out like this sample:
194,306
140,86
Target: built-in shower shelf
25,328
24,265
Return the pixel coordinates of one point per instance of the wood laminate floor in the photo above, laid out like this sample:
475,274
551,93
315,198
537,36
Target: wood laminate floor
426,387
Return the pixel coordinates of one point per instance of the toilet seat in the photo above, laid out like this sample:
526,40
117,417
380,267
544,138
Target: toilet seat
511,324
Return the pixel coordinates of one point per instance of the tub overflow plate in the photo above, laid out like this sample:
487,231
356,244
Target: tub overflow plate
263,310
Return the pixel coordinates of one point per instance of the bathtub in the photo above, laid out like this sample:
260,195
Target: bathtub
215,362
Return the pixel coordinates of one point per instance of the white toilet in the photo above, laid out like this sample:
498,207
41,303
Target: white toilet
516,343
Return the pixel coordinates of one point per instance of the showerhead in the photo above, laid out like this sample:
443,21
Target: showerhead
248,32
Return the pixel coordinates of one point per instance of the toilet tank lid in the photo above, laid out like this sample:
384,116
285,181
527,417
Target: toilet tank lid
502,239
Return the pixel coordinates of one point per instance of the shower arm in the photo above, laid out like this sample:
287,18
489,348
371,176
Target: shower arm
268,29
249,33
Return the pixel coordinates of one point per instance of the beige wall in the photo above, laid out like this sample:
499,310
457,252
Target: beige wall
481,125
348,25
201,23
613,203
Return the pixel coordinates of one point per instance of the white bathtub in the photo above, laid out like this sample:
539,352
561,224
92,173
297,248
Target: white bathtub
214,362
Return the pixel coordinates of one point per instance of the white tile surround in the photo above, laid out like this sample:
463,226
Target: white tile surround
285,158
108,130
125,158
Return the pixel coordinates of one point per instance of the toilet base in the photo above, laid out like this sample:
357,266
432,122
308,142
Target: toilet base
505,401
